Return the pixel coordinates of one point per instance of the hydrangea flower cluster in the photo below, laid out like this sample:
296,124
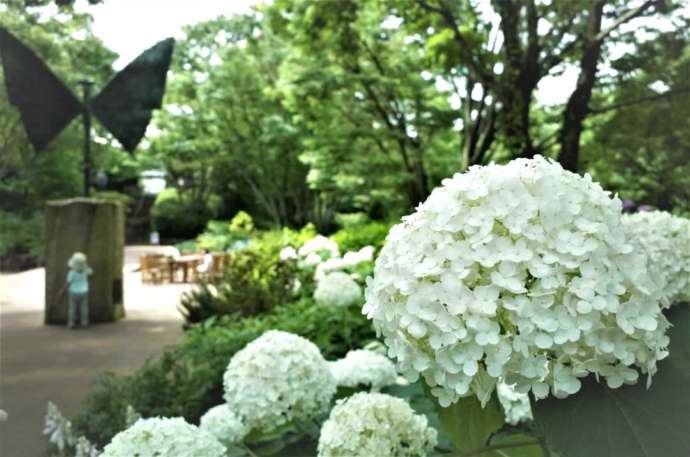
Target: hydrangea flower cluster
277,379
362,367
374,424
666,238
225,425
157,436
337,289
349,260
318,249
520,273
515,404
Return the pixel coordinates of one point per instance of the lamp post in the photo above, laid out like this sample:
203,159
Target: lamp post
86,86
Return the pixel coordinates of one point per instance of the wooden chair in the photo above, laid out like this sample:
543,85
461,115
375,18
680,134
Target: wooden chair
220,262
152,268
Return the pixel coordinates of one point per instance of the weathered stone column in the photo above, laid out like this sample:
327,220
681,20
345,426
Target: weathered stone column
96,228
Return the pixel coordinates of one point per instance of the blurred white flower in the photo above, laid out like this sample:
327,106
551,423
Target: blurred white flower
520,273
374,424
319,245
337,289
154,437
84,448
58,428
288,253
666,238
225,425
277,379
515,404
366,368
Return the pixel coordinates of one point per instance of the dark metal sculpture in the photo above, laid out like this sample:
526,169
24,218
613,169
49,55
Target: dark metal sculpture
46,105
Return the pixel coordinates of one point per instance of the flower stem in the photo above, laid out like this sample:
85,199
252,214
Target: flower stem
497,447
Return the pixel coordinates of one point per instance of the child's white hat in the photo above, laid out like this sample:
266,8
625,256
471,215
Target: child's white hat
77,261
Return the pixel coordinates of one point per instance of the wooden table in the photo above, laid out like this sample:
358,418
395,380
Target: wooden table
184,263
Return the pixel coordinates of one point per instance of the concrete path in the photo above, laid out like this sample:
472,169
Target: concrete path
39,363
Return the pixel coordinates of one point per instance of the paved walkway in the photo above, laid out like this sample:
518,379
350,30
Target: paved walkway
40,363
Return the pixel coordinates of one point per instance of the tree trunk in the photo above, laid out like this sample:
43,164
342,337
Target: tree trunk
96,228
577,108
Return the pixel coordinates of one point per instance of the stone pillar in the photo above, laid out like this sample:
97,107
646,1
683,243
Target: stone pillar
96,228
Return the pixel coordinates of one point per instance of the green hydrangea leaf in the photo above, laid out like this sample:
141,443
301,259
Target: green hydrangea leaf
631,421
468,425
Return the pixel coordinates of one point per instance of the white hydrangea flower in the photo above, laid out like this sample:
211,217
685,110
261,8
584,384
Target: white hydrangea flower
288,253
337,289
666,238
515,404
170,437
277,379
318,245
225,425
349,260
374,424
362,367
521,273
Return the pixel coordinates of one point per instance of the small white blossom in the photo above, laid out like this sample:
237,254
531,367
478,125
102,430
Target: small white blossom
288,253
225,425
170,437
58,428
84,448
278,379
362,367
519,273
319,245
666,238
337,289
515,404
374,424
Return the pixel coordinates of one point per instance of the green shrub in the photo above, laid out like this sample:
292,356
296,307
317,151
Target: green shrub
354,238
254,282
21,234
176,216
187,380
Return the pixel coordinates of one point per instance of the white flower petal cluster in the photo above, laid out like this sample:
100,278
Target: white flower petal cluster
170,437
374,424
666,239
225,425
515,404
58,428
521,273
349,260
362,367
277,379
319,245
288,253
337,289
84,448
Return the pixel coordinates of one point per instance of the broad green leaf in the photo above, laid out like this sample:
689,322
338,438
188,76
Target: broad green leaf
468,425
632,421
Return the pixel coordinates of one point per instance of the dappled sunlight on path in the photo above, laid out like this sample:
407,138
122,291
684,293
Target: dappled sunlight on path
39,363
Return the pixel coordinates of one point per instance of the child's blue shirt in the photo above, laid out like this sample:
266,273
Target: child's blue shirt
78,281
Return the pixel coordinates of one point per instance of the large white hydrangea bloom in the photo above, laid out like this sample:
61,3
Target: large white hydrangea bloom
276,379
337,289
225,425
374,424
521,273
666,238
363,367
170,437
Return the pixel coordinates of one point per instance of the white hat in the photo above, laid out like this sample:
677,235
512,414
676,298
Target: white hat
77,261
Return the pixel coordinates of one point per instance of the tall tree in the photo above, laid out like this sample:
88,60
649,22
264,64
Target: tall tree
508,48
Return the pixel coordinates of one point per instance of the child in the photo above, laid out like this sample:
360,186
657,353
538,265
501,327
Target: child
78,288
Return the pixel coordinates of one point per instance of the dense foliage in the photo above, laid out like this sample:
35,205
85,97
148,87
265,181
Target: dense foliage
187,380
